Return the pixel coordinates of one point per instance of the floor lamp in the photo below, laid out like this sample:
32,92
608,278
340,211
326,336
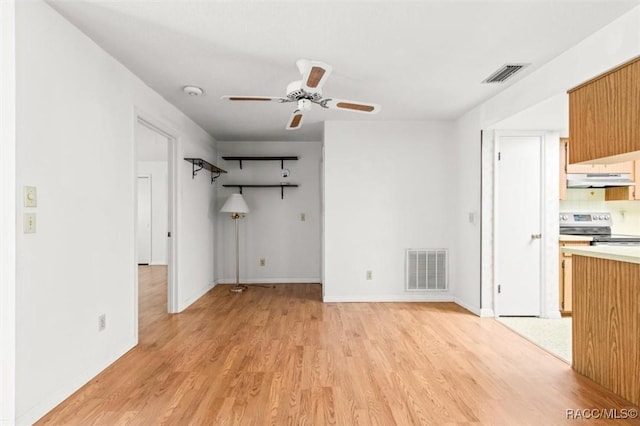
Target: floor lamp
236,205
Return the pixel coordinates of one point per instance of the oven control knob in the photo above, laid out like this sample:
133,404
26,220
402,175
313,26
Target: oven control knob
607,217
565,217
594,217
601,217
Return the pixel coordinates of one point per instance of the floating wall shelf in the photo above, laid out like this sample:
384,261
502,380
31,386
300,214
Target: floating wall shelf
201,164
282,186
280,159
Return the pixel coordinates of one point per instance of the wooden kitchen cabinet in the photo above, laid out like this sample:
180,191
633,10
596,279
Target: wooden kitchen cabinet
566,277
604,116
624,193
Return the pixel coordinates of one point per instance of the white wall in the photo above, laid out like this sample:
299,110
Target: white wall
157,170
388,186
273,229
550,114
466,212
7,213
75,143
610,46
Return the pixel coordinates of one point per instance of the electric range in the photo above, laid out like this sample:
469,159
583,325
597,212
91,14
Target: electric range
597,225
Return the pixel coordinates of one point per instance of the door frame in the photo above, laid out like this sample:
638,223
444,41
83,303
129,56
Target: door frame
8,212
147,176
496,214
157,125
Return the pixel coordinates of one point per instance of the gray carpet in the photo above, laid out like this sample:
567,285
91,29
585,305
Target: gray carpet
553,335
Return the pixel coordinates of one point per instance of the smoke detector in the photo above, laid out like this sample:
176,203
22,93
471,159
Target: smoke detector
192,90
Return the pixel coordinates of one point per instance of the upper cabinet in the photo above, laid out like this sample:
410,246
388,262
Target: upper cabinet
611,193
604,116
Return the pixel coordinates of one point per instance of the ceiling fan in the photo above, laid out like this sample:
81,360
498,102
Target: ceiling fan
307,91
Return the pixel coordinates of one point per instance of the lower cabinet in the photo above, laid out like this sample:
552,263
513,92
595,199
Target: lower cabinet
566,277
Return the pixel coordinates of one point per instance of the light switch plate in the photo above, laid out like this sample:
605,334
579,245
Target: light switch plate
30,197
29,223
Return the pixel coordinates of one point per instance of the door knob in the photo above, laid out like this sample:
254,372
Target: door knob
536,236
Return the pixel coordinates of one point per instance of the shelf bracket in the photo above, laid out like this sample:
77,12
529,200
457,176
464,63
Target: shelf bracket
240,162
202,164
194,172
282,192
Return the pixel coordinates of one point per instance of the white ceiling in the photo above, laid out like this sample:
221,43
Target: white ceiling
420,60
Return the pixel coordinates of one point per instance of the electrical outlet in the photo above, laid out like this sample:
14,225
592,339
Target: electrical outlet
263,261
29,224
303,217
102,322
369,275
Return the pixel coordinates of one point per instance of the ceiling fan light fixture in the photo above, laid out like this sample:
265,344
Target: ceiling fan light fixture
192,90
309,91
304,104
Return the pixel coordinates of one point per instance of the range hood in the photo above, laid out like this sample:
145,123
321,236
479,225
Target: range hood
598,180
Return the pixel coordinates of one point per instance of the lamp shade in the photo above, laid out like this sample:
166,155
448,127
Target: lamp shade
235,204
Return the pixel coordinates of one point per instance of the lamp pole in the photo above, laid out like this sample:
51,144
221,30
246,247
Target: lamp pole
237,288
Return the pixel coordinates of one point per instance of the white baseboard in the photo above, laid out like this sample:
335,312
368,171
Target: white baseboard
390,298
58,395
182,305
271,281
468,307
487,313
552,315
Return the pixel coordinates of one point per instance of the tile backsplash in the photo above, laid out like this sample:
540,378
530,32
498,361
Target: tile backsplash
625,214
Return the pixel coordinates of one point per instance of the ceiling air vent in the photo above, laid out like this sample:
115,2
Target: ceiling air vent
504,73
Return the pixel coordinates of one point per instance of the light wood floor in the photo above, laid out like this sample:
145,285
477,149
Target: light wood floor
280,356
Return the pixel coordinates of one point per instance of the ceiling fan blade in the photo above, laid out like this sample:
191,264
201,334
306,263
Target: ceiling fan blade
350,105
314,74
256,98
295,121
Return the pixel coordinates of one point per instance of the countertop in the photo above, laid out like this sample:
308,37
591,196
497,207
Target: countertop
630,254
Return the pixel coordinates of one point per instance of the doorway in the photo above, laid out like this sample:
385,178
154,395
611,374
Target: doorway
155,210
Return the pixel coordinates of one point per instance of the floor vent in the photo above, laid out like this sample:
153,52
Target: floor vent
504,73
426,270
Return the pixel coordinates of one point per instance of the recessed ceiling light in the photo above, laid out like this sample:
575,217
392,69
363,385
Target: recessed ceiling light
193,90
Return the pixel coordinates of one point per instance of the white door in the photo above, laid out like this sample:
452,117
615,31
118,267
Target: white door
144,220
518,225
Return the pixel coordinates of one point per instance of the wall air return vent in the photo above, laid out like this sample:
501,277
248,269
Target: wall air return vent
504,73
426,270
